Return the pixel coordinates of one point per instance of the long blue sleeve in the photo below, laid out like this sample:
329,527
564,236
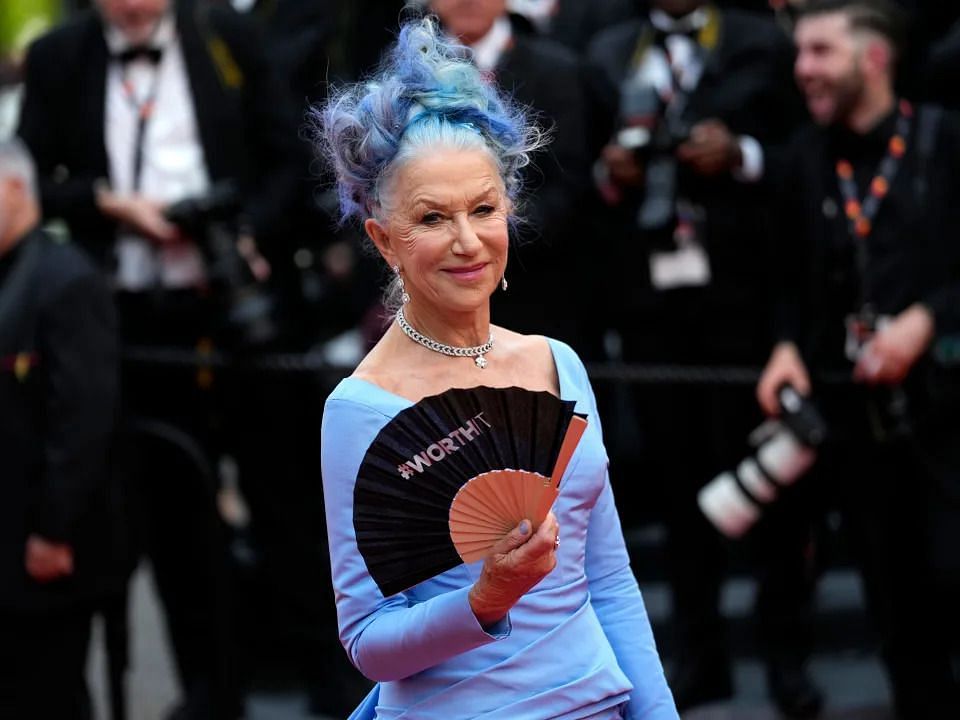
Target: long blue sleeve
386,638
576,645
619,606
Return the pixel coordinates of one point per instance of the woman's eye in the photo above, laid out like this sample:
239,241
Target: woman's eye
484,210
431,218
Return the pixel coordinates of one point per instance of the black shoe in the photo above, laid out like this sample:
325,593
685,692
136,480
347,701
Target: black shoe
700,684
794,692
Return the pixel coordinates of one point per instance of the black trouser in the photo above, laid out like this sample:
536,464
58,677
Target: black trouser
170,425
294,627
885,494
690,433
43,657
693,434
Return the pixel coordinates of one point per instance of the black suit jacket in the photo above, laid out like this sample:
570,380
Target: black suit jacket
243,113
747,83
911,254
546,77
577,21
58,397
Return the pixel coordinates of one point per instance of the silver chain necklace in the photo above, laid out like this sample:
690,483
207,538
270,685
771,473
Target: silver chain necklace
477,352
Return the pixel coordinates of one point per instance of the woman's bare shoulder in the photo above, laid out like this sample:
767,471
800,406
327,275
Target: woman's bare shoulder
518,343
530,358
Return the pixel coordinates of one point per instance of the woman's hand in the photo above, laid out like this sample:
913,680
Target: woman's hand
517,563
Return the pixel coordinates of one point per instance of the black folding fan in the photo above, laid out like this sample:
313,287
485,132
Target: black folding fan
451,475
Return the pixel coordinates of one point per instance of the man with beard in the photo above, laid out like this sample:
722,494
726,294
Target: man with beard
692,103
869,269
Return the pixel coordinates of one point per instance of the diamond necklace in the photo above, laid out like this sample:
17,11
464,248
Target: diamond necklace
477,352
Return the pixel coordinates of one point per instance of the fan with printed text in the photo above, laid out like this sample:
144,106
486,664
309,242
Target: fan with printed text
449,476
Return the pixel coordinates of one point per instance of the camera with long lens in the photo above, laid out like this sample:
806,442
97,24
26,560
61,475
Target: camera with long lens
248,308
653,134
785,449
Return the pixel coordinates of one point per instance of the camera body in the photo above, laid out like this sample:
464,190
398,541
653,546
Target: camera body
646,126
786,448
653,132
248,307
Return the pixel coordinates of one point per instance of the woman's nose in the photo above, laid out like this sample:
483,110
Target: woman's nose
466,242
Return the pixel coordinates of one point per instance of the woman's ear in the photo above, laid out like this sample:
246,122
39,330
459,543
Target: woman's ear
379,237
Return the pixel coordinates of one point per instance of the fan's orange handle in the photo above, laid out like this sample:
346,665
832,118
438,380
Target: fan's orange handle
575,431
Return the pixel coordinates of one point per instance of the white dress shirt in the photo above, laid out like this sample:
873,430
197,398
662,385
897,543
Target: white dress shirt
488,49
539,12
173,162
683,62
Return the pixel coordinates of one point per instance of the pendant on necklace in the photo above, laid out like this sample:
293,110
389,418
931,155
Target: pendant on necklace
480,361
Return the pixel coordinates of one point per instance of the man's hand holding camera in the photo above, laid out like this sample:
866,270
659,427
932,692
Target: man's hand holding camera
785,367
623,166
711,149
885,360
895,349
141,214
46,560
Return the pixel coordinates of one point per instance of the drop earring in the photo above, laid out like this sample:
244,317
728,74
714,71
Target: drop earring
404,297
503,283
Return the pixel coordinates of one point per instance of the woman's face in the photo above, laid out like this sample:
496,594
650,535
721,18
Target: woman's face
446,228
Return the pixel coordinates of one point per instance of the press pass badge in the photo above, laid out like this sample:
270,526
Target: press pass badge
689,264
862,327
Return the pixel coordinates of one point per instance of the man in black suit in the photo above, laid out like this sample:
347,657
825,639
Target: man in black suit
546,77
240,118
58,393
691,104
869,287
130,108
572,22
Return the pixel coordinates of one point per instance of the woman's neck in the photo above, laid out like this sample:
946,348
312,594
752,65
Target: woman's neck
461,329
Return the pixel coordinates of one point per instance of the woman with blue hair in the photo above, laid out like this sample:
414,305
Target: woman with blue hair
428,155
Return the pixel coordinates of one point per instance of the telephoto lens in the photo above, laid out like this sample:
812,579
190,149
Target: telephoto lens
786,448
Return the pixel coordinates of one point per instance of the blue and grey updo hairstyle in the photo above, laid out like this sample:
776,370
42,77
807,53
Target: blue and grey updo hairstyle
425,94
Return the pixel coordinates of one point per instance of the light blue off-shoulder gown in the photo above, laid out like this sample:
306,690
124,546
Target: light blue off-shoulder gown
578,645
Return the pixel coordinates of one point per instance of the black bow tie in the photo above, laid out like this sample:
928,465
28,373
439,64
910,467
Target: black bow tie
660,36
139,52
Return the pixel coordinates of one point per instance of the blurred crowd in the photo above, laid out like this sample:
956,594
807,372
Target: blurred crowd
715,173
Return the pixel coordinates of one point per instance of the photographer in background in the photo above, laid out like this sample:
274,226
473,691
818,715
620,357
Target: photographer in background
869,285
692,102
129,108
59,549
545,76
